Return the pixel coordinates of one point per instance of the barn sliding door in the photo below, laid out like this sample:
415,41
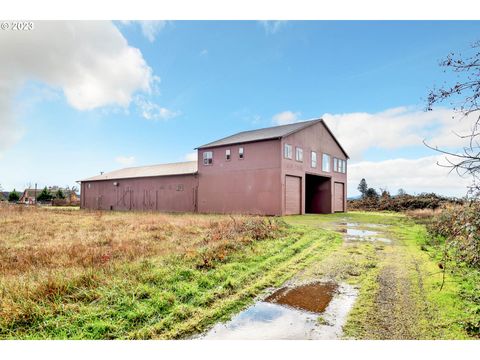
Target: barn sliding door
293,195
339,197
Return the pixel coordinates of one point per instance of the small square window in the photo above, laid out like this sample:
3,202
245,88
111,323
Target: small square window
299,154
207,158
227,154
314,159
240,153
288,151
326,163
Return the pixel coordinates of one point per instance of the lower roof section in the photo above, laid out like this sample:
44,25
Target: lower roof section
180,168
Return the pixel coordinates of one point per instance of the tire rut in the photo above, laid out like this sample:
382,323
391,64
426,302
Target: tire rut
399,304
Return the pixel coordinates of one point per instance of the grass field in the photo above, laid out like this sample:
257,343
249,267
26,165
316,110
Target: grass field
101,275
91,275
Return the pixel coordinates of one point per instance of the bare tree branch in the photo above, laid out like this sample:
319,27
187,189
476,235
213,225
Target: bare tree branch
467,92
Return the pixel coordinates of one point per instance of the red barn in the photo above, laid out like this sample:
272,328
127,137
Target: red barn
289,169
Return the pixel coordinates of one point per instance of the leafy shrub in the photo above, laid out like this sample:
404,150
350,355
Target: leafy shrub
13,196
459,226
45,195
402,202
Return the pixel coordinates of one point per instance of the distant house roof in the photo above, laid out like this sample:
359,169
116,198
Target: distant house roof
30,193
181,168
274,132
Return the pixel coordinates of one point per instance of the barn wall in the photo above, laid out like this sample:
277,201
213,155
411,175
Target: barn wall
250,185
163,193
313,138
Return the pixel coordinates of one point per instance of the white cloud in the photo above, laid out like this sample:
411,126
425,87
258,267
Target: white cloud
151,28
271,26
152,111
396,128
191,156
10,132
286,117
90,61
413,175
125,160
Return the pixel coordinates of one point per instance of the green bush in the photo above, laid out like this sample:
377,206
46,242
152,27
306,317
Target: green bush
13,196
45,195
459,226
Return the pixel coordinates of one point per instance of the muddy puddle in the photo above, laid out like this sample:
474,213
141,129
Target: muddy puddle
310,311
313,297
364,232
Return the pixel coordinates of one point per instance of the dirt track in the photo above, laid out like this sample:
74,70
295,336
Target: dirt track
393,304
395,313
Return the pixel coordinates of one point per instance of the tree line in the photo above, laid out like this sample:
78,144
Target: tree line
44,196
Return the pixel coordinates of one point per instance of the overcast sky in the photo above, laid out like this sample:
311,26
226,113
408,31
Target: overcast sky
77,98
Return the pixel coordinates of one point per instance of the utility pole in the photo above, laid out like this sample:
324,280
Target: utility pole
35,193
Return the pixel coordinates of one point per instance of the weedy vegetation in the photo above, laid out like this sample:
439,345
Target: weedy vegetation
73,274
94,275
454,239
428,203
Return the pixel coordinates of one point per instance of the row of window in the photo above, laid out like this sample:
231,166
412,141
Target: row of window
208,155
339,165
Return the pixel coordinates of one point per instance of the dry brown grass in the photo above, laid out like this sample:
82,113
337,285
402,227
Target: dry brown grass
423,213
51,254
33,238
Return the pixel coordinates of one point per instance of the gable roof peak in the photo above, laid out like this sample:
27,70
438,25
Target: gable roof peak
273,132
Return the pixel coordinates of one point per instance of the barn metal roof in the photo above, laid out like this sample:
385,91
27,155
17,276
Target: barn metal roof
273,132
180,168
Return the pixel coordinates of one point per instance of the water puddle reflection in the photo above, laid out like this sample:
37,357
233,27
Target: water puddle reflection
311,311
365,232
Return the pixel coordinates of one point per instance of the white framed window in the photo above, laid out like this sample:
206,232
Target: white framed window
326,162
299,154
227,154
241,153
339,165
314,159
207,158
288,151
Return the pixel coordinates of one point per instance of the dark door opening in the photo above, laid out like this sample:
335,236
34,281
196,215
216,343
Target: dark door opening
318,194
